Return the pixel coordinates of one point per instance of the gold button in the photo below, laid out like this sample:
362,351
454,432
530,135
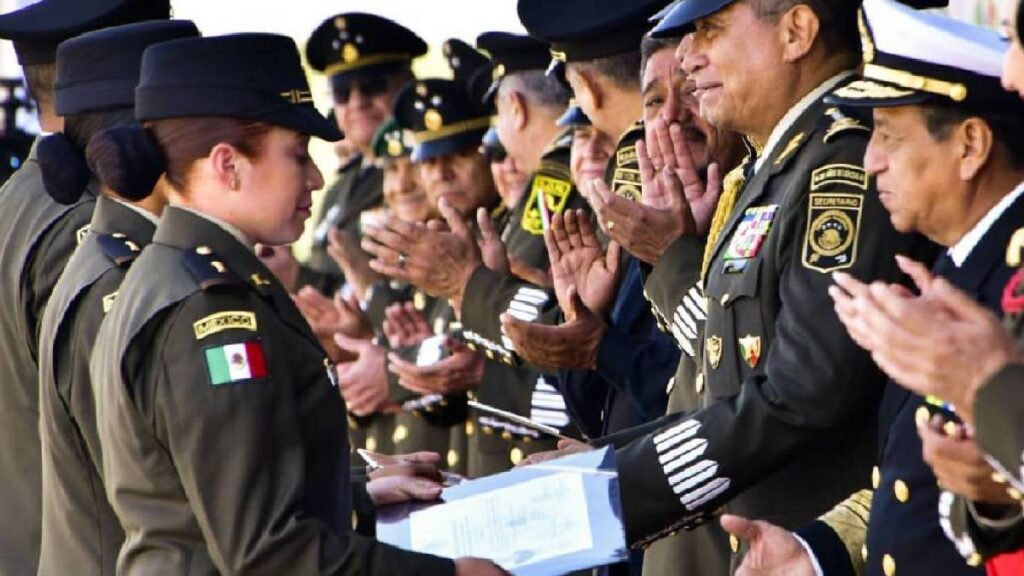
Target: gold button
204,251
950,428
888,565
876,477
506,435
453,458
400,433
974,560
1015,494
734,543
700,383
725,299
515,456
902,490
470,428
864,552
371,443
998,478
488,430
922,415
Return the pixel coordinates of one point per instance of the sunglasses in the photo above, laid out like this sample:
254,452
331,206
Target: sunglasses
368,88
494,154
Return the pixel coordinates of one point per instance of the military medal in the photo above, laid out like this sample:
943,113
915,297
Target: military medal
750,349
714,349
746,242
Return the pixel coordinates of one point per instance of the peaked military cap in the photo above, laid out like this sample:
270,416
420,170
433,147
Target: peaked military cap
37,29
250,76
442,117
512,53
99,70
463,59
491,146
680,18
480,87
583,30
391,141
574,116
913,57
355,43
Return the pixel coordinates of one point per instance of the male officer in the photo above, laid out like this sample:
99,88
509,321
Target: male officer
367,61
948,160
787,424
39,237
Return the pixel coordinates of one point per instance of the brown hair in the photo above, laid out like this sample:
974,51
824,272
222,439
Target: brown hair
186,140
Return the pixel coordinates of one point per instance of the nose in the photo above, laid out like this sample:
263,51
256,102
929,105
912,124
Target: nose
691,55
316,178
875,161
357,99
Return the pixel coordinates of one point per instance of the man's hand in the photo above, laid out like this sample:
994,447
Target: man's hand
282,263
665,147
477,567
353,261
899,329
461,371
958,463
566,447
572,345
397,489
404,325
363,382
773,551
492,248
439,262
327,318
577,260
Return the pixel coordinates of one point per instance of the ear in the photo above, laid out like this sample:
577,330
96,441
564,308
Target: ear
975,143
224,160
798,31
520,111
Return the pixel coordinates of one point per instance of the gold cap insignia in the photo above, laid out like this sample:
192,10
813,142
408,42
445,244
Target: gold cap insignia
433,120
395,147
349,53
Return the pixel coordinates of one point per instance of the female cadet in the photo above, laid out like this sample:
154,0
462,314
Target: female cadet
96,77
224,445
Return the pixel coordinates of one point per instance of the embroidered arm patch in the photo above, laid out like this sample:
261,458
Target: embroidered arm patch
833,226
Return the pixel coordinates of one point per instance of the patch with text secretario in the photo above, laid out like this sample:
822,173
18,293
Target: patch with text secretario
833,225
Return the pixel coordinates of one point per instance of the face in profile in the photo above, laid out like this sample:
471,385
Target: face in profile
1013,63
403,193
276,194
464,179
508,179
591,151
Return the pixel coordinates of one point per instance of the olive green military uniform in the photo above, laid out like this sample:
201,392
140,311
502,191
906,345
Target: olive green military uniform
358,193
787,427
495,444
39,238
224,438
81,534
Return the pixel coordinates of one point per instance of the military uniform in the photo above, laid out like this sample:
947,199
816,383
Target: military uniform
779,378
80,530
170,390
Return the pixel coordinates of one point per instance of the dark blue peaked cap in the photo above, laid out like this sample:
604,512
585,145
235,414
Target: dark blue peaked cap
99,70
680,18
37,29
442,116
251,76
582,30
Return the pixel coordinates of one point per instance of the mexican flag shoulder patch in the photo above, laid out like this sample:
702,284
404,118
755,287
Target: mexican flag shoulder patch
235,362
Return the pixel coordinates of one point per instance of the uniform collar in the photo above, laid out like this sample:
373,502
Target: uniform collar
112,216
241,237
141,212
962,249
796,112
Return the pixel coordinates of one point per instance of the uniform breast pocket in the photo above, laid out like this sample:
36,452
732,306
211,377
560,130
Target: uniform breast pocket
734,337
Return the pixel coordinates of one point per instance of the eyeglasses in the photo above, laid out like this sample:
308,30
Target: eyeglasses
368,88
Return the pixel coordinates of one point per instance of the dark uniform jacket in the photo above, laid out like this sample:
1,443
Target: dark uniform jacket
38,238
904,516
81,534
358,189
495,444
788,426
224,445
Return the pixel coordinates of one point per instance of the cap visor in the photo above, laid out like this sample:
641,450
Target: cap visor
682,18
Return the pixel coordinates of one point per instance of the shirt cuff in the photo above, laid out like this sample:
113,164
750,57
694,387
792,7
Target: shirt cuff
1016,516
810,553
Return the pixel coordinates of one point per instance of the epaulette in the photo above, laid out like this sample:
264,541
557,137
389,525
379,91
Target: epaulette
118,248
838,121
208,269
625,177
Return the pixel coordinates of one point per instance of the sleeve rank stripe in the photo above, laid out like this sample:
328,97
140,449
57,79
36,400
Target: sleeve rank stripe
685,429
694,477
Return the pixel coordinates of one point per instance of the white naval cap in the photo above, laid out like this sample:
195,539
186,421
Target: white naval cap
914,57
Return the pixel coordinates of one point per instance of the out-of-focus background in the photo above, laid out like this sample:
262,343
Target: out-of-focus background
434,20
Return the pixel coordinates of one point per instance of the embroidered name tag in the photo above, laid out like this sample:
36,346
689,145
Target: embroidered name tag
222,321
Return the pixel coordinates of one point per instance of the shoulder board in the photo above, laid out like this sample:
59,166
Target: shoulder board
837,122
118,248
207,268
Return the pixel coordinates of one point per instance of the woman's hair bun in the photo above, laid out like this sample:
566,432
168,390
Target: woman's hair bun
65,173
127,160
